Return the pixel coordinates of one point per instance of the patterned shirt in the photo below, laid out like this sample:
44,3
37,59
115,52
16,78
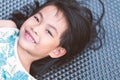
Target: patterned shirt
10,66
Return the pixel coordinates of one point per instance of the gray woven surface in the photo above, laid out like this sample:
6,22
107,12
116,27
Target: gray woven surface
103,64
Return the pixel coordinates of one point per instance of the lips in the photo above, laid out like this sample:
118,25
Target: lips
29,37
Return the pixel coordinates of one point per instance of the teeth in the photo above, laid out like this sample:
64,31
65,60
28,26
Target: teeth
29,37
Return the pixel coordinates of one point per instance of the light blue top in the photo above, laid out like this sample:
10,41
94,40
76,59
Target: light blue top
10,66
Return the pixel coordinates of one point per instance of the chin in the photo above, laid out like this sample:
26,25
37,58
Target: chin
25,44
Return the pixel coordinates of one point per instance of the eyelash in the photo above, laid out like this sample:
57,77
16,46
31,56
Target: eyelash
36,18
49,32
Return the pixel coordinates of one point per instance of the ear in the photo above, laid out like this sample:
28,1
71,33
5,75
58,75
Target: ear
58,52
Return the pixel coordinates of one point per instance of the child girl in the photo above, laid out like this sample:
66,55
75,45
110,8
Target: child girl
53,32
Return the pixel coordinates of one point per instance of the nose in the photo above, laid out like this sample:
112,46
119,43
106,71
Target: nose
33,30
36,29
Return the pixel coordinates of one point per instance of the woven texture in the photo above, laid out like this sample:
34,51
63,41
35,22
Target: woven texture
103,64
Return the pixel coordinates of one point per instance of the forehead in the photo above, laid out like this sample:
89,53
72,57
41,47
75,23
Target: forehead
53,11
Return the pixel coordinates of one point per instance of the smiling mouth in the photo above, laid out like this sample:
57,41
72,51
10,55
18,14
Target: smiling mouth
29,37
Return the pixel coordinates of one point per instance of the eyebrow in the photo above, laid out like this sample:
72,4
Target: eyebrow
41,15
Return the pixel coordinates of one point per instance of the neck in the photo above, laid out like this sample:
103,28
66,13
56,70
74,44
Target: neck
24,57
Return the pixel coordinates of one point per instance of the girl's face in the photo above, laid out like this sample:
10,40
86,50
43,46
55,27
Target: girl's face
40,34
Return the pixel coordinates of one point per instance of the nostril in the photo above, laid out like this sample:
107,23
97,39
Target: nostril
34,31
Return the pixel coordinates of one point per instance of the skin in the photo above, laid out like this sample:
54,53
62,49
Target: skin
40,36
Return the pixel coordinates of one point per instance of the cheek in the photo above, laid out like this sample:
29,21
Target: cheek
49,44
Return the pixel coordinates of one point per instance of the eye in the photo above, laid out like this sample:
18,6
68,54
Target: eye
49,32
36,18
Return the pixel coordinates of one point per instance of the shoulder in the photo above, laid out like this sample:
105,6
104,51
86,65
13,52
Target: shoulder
7,23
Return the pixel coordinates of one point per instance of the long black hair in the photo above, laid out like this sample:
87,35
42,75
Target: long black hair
81,32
